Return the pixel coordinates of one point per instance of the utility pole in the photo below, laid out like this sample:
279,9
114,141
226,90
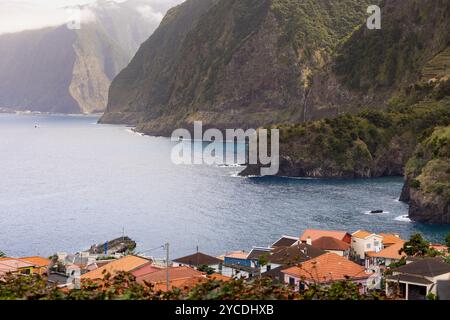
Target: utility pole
166,246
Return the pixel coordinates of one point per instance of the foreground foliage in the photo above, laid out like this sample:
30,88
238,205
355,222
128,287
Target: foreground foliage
124,287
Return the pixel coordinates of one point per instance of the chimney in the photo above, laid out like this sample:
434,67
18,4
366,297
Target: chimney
309,241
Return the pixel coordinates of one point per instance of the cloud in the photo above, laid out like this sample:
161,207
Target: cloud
150,13
19,15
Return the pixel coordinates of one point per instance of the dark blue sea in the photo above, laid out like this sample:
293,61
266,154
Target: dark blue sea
67,183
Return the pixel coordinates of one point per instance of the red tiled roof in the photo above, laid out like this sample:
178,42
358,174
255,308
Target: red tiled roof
174,274
145,269
316,234
326,268
329,243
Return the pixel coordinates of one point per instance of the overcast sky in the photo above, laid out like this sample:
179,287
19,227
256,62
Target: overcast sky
18,15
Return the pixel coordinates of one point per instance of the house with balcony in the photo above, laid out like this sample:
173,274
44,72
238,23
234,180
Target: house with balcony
418,279
363,242
325,270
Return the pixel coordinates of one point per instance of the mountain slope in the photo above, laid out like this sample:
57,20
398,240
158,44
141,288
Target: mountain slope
25,61
236,63
427,187
69,71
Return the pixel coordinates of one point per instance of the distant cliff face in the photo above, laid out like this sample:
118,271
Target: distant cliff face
69,71
230,63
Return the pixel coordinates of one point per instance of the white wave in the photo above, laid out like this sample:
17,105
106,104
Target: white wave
133,131
233,165
370,213
403,218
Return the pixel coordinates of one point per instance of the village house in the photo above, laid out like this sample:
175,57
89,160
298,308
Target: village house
416,280
179,277
326,269
256,255
333,245
363,241
25,265
198,260
385,257
145,269
125,264
41,264
311,235
284,257
61,280
439,248
390,239
285,241
15,266
236,265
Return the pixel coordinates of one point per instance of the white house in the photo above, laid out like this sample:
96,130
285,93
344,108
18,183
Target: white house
198,260
363,242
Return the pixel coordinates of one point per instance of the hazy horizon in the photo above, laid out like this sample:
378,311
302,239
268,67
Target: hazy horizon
21,15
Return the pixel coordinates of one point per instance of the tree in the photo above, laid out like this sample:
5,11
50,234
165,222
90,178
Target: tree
416,246
2,254
206,269
447,241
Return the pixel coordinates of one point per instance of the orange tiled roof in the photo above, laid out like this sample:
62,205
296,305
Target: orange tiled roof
389,238
391,252
316,234
16,263
125,264
362,234
174,273
37,261
439,247
327,267
184,284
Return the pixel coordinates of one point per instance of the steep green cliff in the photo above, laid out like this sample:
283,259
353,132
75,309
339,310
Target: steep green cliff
286,63
427,187
62,70
230,63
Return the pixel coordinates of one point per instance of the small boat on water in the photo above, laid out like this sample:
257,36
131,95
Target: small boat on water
376,211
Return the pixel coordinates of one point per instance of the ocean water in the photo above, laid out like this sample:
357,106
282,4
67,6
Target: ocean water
69,183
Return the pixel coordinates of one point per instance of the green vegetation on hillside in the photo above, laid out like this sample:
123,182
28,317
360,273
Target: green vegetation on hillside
309,25
412,33
429,168
361,145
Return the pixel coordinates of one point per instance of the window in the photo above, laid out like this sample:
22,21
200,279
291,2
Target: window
269,267
376,243
369,246
291,281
